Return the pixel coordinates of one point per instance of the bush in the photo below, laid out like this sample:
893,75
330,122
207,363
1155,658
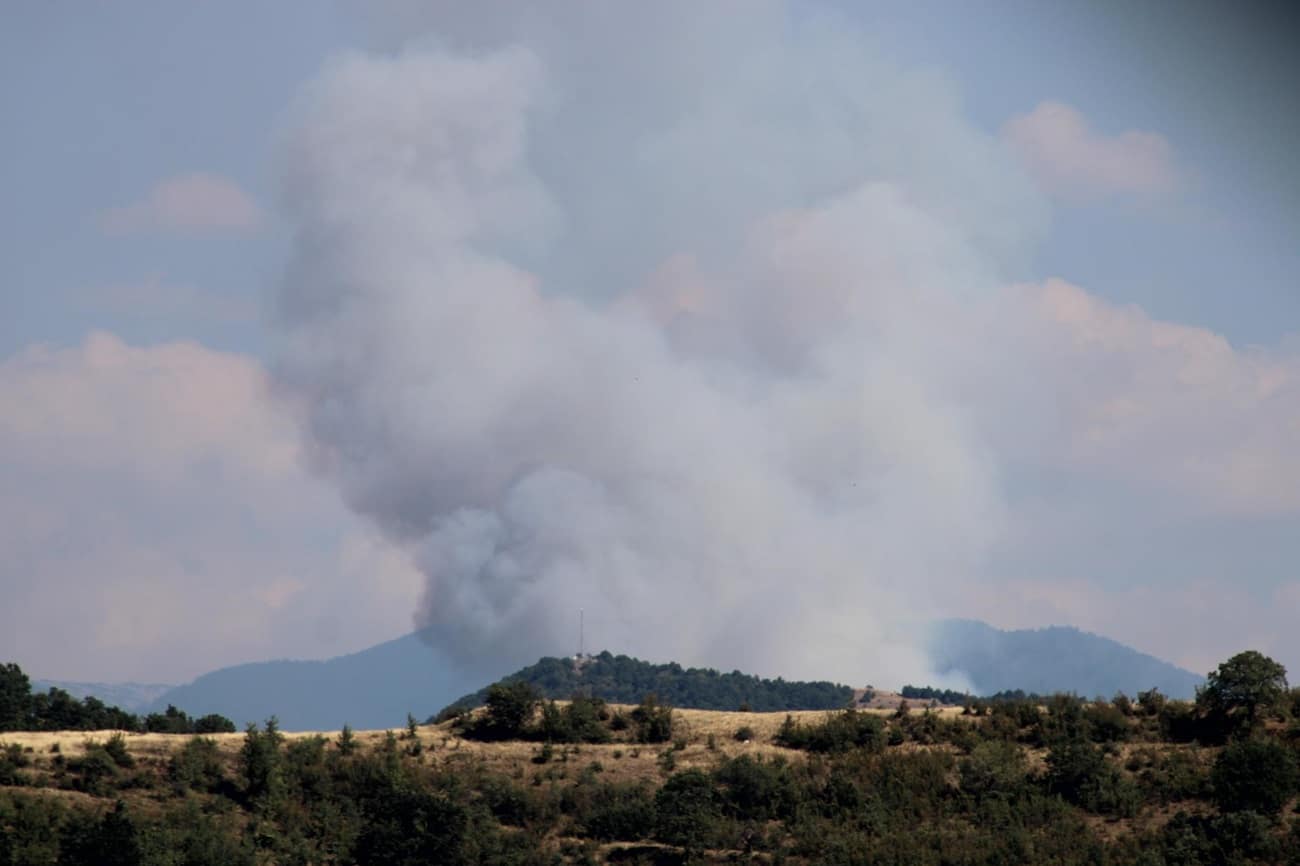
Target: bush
995,768
214,724
260,758
578,722
1171,775
840,732
173,721
687,811
1080,773
1254,775
754,790
510,707
197,765
116,749
12,760
96,770
1222,839
620,813
654,722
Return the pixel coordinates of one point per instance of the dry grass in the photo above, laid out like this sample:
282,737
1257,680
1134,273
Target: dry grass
701,739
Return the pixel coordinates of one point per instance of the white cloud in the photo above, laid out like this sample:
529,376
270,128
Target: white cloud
1070,159
156,522
196,202
1170,404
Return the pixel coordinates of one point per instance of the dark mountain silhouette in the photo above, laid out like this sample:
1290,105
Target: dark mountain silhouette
622,679
1054,659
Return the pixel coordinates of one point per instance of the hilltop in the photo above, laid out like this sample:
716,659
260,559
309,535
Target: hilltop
378,686
623,679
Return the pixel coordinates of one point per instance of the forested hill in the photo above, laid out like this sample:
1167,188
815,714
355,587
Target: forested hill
622,679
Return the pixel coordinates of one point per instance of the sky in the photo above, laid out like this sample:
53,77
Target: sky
320,322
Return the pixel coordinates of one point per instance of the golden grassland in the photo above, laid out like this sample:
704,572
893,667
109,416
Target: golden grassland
701,738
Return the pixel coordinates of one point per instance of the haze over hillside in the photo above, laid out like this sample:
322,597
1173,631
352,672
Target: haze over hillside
1047,660
378,686
373,688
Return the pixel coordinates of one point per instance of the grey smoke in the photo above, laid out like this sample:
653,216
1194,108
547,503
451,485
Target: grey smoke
666,311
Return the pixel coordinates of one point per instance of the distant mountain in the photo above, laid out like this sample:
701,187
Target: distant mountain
373,688
1054,659
377,687
622,679
132,697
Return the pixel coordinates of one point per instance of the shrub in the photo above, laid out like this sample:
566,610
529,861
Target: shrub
1255,775
260,758
839,732
654,722
347,741
687,811
12,760
1080,773
116,749
578,722
197,765
510,708
96,770
754,790
214,723
993,768
620,812
743,734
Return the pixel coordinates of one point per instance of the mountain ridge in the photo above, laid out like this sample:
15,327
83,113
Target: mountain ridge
378,686
1054,658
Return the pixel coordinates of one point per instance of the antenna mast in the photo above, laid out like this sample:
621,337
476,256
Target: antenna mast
581,634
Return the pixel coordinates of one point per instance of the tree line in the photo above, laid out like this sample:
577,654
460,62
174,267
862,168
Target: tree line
622,679
55,710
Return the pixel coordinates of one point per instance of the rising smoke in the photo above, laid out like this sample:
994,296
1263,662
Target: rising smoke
667,312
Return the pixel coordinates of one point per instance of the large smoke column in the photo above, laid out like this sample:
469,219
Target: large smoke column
674,323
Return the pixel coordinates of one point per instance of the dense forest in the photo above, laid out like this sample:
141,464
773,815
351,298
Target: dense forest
21,709
532,781
625,680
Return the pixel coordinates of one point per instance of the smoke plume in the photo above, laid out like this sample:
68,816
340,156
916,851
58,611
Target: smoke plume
671,312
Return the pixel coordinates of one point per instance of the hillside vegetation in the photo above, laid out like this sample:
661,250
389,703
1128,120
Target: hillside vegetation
622,679
531,781
378,686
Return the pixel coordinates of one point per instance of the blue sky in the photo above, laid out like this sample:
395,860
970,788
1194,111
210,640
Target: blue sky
1142,158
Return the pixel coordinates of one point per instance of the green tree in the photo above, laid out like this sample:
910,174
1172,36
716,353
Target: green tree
1242,687
173,721
687,811
347,742
111,841
15,697
214,723
1256,775
260,757
654,721
510,707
